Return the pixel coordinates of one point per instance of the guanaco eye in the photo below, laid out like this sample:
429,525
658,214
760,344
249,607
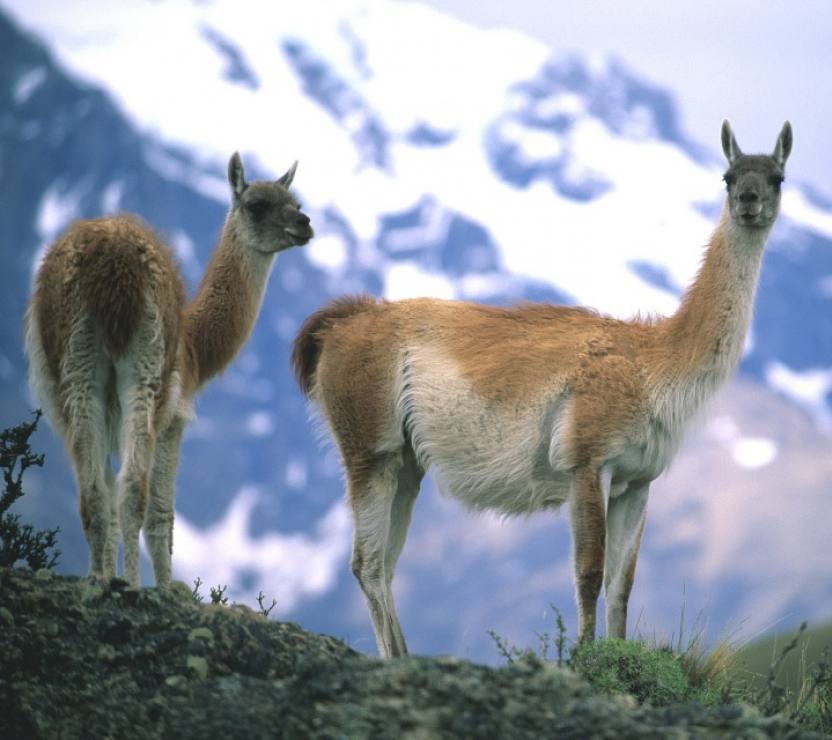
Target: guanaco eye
257,208
776,181
729,180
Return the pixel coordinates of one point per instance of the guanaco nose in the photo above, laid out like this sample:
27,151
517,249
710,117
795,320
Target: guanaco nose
749,196
302,219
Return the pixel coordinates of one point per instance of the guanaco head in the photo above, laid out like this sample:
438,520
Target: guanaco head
753,180
265,214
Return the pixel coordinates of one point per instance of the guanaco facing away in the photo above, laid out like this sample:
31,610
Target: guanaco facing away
523,409
115,355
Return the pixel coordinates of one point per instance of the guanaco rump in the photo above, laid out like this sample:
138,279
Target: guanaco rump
523,409
115,355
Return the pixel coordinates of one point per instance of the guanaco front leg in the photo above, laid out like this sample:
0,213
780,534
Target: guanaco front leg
625,523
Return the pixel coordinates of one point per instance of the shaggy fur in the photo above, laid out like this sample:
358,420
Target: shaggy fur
115,356
524,409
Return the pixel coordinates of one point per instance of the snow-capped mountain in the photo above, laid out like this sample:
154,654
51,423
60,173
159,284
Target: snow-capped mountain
441,160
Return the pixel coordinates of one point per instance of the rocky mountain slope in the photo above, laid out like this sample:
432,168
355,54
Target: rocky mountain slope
79,660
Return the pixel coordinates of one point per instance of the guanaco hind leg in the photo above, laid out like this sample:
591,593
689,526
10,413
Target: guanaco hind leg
587,510
158,523
382,499
84,392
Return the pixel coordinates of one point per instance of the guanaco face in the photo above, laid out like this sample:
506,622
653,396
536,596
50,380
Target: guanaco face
753,181
266,214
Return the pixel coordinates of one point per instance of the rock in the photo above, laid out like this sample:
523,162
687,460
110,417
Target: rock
201,633
230,685
181,591
130,668
198,666
106,653
89,590
176,681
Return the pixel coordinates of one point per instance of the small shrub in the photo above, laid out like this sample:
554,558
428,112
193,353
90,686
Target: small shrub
21,542
615,666
261,605
218,595
195,594
814,709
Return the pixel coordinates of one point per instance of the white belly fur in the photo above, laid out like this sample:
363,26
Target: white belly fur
510,459
489,456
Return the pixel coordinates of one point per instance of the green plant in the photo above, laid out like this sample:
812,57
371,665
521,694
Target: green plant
262,608
512,653
218,595
21,542
616,666
774,698
814,708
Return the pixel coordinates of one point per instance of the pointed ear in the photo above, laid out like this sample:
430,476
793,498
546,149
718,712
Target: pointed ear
286,179
783,147
729,143
236,176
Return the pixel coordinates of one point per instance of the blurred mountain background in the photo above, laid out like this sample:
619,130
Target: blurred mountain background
437,157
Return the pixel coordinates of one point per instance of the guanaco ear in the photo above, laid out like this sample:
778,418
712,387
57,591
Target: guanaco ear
236,176
286,179
783,147
729,143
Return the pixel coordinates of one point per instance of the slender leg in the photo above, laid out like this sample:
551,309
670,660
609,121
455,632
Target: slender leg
372,496
158,523
625,524
407,489
587,509
133,485
84,390
138,381
111,555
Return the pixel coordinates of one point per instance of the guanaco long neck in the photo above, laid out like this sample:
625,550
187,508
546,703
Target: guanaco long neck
703,341
222,314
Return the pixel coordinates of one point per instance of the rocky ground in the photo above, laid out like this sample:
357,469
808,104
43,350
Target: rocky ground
78,660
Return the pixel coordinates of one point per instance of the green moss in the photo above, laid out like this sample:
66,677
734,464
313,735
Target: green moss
616,666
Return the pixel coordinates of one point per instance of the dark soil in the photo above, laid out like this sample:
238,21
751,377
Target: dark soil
81,660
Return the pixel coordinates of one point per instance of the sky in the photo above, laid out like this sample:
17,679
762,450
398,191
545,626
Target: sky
755,63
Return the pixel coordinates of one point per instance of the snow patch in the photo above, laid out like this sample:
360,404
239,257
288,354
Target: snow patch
289,567
6,368
172,169
183,247
754,452
259,424
296,474
407,280
533,144
747,452
328,252
111,197
57,208
798,207
808,389
27,83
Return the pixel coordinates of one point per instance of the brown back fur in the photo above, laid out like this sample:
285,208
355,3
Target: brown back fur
306,350
104,268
